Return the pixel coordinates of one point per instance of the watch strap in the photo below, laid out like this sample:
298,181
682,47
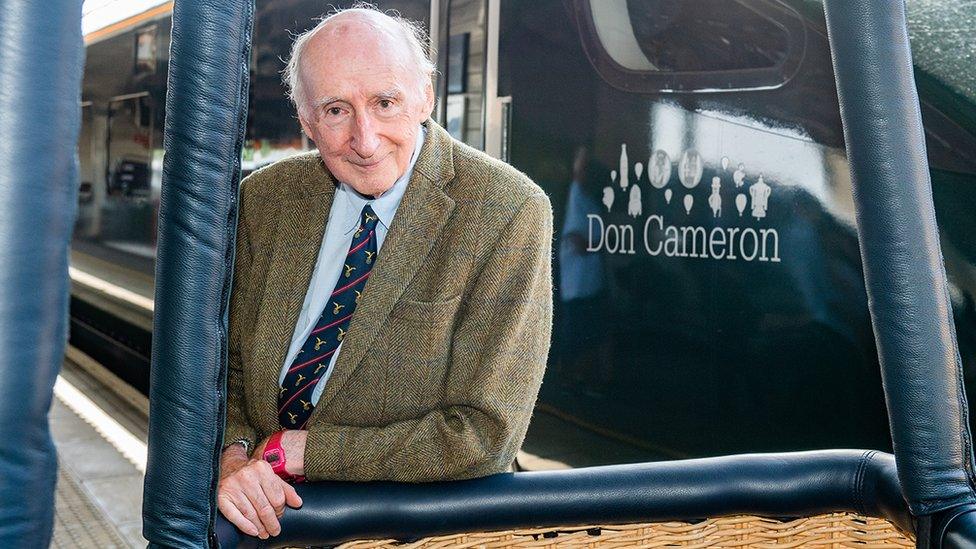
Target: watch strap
274,454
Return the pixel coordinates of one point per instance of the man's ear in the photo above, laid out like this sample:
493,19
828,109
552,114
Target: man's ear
305,125
429,97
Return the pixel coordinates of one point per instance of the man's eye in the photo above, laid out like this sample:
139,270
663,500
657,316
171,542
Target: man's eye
385,103
334,111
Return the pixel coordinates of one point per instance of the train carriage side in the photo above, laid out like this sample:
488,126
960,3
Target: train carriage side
709,294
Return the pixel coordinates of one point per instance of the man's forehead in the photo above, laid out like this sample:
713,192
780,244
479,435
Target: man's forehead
358,29
364,48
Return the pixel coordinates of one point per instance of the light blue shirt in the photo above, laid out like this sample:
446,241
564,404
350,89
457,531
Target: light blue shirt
347,207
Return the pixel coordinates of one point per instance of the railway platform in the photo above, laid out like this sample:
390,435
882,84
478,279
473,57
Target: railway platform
100,431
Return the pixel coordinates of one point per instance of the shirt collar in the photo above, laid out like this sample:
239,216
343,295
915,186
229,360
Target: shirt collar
386,205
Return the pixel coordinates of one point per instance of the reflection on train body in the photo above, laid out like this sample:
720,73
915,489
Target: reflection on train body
709,294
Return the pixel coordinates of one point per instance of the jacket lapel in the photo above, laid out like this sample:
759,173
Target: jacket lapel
298,238
422,214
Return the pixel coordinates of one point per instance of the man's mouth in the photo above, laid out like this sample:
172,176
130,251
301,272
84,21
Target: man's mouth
368,165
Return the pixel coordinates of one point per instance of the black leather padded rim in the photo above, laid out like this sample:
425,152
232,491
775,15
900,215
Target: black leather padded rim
773,485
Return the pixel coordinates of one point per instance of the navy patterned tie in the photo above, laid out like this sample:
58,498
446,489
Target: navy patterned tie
312,362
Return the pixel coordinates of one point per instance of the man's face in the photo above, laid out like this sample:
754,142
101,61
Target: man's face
365,102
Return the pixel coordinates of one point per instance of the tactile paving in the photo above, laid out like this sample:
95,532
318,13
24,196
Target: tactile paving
77,522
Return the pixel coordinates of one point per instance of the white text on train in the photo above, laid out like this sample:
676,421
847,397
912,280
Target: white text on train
730,243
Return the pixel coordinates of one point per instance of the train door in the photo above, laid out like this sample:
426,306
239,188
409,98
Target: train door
461,61
128,181
121,144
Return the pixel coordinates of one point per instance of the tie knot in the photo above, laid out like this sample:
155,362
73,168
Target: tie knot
368,217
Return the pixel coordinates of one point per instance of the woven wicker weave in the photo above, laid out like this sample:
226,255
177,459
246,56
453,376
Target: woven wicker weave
833,530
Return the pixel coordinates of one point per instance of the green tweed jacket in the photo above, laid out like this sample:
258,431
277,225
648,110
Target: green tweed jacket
442,362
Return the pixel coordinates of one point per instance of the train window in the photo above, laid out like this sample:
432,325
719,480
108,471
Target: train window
146,50
464,71
672,45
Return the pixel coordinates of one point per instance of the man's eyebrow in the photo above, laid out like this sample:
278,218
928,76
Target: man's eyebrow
392,93
322,102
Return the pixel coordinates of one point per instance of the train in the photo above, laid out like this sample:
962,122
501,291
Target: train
709,295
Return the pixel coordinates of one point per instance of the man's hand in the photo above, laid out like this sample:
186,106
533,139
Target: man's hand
250,495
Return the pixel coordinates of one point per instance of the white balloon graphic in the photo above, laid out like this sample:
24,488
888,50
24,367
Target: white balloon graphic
659,169
725,162
634,207
740,203
689,202
667,195
624,167
739,175
613,175
638,170
690,168
608,197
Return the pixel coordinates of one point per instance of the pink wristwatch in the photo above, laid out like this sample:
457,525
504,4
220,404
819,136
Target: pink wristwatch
274,454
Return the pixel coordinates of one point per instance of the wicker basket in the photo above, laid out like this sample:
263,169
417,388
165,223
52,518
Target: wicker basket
833,530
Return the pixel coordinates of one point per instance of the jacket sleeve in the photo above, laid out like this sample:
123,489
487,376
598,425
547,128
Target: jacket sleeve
499,351
237,425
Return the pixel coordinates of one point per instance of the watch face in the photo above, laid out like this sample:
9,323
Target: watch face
272,456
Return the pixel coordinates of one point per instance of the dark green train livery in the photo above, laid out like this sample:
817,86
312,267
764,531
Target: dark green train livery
709,294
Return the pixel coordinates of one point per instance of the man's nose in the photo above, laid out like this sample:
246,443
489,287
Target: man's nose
365,141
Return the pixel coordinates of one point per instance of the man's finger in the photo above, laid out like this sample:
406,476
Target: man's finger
246,508
265,511
234,515
271,485
291,495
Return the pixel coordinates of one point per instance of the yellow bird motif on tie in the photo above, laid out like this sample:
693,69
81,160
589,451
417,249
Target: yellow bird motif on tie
281,391
369,257
369,218
336,307
319,367
357,295
342,334
305,405
318,343
292,417
299,380
359,231
349,270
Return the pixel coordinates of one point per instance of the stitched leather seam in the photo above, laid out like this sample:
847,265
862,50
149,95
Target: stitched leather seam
857,487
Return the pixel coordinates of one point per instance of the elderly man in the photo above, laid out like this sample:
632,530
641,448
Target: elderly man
392,301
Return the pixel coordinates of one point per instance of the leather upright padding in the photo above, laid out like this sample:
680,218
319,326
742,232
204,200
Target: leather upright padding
206,108
41,63
903,268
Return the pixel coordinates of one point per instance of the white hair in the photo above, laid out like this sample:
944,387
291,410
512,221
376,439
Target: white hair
413,35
